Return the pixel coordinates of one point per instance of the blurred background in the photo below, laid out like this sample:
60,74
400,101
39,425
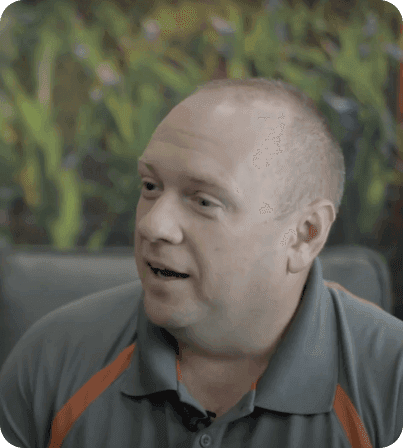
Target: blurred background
84,83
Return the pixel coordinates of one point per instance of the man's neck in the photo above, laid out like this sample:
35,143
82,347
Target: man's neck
217,370
193,352
216,385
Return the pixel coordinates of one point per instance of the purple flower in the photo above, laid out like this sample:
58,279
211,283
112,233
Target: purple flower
395,51
152,30
222,26
371,26
107,75
81,51
96,94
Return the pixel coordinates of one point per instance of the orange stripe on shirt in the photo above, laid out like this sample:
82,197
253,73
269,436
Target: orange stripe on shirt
79,402
343,406
351,421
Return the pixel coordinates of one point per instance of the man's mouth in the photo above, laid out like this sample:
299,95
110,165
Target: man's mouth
167,273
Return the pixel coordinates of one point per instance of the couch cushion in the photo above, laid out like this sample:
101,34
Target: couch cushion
33,283
362,271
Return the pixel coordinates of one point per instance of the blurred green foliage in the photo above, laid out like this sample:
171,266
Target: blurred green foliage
72,88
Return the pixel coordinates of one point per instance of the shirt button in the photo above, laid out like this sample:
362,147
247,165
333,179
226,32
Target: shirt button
205,440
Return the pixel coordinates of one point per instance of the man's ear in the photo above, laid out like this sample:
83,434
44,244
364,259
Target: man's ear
312,232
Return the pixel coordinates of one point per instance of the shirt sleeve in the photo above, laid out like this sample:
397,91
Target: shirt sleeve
398,443
397,409
16,415
5,444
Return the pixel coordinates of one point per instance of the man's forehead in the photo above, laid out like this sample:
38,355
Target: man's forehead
226,104
224,124
177,135
226,133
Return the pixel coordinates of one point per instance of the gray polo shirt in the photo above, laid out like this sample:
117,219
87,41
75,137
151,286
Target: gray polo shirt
98,373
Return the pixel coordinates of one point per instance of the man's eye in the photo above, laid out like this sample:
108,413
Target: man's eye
146,184
206,201
208,204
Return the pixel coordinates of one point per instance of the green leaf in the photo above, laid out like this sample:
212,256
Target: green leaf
65,229
36,119
309,55
8,47
236,17
376,191
150,106
191,68
29,179
261,42
47,137
171,77
83,123
237,69
115,145
357,73
299,21
98,238
292,73
372,192
113,19
122,111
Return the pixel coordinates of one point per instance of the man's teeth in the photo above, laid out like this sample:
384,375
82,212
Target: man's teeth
167,273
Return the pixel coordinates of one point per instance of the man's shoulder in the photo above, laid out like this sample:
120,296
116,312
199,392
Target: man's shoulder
352,306
63,350
113,305
91,325
370,362
373,335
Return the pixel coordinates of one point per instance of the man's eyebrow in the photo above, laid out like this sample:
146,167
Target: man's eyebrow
201,180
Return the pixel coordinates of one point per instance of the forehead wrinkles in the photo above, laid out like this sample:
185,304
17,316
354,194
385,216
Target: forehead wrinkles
272,142
180,134
220,132
191,150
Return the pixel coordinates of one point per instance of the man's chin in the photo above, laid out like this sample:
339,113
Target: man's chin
160,314
173,313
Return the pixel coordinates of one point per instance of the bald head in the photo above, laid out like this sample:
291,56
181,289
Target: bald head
220,117
306,159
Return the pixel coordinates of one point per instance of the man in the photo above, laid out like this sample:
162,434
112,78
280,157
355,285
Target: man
246,269
237,340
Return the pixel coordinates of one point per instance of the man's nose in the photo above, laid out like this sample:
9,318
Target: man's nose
161,221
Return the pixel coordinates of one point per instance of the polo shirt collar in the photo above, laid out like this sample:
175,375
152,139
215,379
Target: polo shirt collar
301,377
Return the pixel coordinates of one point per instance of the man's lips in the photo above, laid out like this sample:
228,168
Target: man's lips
155,265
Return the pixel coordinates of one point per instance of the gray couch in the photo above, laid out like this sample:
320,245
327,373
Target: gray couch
35,281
